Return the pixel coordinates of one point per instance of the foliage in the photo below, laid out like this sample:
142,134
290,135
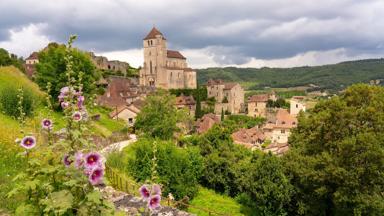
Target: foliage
209,200
234,122
7,59
337,156
52,184
334,77
279,103
178,169
265,188
159,117
199,92
9,101
52,66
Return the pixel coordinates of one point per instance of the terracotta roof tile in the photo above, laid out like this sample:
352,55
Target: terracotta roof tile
174,54
206,122
33,56
258,98
185,100
152,34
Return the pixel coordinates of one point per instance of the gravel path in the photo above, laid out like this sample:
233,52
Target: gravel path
119,145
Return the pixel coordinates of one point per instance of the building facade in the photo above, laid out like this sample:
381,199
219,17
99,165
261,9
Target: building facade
229,96
257,105
163,68
297,104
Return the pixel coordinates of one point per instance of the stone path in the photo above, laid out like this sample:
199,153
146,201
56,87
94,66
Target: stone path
119,145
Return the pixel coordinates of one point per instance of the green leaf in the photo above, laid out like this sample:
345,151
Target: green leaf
24,209
60,202
94,197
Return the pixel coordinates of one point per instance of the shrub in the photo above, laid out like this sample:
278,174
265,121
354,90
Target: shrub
178,169
9,101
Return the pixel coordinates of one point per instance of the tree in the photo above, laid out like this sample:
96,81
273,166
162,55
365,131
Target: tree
222,114
337,155
7,59
52,68
159,118
264,186
198,111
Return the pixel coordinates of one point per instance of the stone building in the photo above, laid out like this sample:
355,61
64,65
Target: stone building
250,138
278,128
103,63
122,91
128,113
229,96
163,68
297,104
257,105
30,64
187,102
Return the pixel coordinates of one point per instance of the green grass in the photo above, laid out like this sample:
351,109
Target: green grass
11,76
209,200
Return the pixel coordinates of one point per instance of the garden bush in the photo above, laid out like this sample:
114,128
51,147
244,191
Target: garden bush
178,170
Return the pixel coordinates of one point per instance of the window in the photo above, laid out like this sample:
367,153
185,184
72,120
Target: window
150,66
149,53
149,43
283,131
297,105
130,120
283,122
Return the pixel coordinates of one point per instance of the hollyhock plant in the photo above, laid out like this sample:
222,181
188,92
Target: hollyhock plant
96,176
156,190
66,160
144,191
76,116
80,102
28,142
47,124
92,159
79,160
154,202
64,105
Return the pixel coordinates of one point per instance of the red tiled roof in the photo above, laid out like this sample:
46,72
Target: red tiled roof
214,82
229,86
174,54
206,122
249,137
258,98
33,56
152,34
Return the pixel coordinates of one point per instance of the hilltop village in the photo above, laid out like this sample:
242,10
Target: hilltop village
169,70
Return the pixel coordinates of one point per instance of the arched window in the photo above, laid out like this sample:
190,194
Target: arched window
150,66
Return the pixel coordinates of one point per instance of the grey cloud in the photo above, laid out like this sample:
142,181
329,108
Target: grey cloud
234,30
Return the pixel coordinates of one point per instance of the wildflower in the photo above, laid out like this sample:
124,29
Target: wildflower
154,202
156,190
96,176
79,160
80,101
46,124
76,116
28,142
170,196
92,160
64,90
66,160
64,105
144,191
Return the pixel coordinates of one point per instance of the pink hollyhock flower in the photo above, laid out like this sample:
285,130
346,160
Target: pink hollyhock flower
64,90
96,176
80,101
28,142
154,202
66,160
47,124
64,105
156,190
79,160
92,160
76,116
144,191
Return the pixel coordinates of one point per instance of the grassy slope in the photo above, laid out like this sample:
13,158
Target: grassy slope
10,163
332,77
209,200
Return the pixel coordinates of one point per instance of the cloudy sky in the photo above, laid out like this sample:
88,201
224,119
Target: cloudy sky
244,33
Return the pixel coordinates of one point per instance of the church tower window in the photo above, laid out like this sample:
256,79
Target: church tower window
150,66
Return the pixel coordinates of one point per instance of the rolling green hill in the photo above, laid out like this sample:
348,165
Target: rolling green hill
332,77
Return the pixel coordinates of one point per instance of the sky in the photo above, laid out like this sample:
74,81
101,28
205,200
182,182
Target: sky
210,33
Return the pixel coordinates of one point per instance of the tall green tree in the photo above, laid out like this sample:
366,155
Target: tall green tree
7,59
51,68
337,156
159,118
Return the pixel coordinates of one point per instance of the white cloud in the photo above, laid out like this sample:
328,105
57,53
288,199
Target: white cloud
25,40
134,57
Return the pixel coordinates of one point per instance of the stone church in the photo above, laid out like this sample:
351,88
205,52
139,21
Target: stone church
163,68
